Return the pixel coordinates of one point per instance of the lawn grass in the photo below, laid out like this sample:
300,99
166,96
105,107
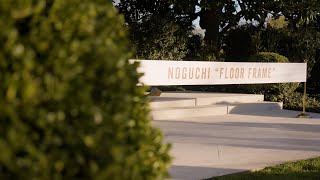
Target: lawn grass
305,169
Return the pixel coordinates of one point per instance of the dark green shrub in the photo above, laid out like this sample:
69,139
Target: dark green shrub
298,44
314,80
158,38
294,101
199,50
280,88
268,57
238,45
70,108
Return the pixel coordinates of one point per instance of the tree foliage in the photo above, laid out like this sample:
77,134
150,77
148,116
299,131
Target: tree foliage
287,27
219,17
70,108
158,38
154,29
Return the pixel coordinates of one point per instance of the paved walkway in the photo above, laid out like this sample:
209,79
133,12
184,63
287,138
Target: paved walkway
217,145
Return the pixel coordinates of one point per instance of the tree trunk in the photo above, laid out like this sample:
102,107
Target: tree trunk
210,21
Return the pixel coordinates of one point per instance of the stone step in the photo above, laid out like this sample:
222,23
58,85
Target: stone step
175,105
241,98
182,112
214,110
190,99
164,102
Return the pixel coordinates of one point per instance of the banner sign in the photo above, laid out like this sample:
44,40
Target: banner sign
160,72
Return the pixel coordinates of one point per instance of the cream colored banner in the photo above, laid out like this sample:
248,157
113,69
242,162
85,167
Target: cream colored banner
160,72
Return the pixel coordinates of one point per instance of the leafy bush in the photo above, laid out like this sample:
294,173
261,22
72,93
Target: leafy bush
294,101
314,80
281,88
70,108
298,44
279,23
268,57
159,39
241,43
199,50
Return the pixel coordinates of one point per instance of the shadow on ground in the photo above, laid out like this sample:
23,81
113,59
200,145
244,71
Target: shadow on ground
185,172
272,175
276,136
272,113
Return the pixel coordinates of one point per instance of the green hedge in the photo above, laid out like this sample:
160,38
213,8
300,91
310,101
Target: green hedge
294,101
268,57
158,38
70,108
